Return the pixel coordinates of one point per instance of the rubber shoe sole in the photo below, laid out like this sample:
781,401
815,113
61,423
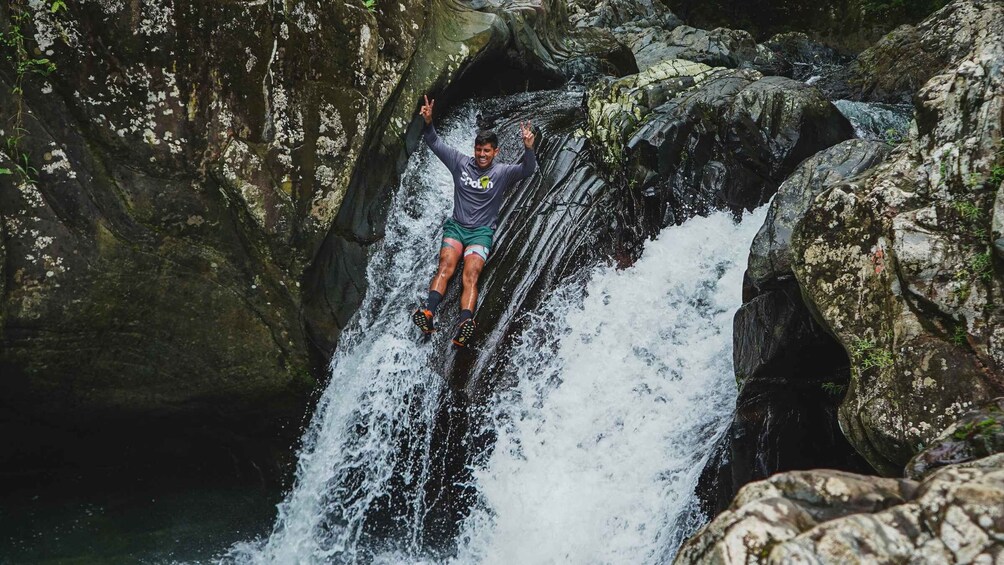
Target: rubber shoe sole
423,319
464,333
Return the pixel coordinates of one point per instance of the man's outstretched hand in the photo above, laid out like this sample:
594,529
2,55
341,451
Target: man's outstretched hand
527,131
426,110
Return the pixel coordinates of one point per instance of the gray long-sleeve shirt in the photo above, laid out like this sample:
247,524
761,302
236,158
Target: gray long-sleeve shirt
477,192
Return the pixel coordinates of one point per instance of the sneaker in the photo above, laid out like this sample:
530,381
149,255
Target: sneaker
423,319
464,333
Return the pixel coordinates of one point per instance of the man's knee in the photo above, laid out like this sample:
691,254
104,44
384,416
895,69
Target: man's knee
447,268
472,271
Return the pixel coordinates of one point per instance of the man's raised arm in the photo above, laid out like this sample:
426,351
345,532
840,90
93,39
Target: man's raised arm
448,155
529,164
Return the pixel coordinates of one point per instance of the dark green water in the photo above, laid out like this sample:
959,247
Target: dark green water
138,520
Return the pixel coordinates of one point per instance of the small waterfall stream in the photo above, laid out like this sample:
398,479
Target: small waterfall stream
623,382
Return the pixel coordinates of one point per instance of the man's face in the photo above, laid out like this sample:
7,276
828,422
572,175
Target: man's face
484,154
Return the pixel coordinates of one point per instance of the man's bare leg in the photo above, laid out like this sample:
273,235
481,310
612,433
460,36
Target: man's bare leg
473,263
449,256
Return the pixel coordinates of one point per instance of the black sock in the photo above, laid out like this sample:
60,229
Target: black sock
466,315
433,302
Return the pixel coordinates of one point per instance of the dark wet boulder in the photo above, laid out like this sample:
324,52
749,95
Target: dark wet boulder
795,55
686,138
612,14
976,435
850,25
719,47
792,373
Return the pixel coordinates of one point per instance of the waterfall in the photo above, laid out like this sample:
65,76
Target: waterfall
365,455
624,383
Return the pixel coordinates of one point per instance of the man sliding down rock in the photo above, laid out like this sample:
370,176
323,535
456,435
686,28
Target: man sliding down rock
478,187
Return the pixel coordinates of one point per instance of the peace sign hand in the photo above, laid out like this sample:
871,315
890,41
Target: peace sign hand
426,110
527,131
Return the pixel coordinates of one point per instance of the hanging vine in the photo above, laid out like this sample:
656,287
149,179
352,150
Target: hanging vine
15,51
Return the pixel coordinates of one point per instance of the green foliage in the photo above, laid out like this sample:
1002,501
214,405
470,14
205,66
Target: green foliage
833,389
894,137
960,335
997,175
899,9
981,266
969,211
868,355
370,5
972,429
24,63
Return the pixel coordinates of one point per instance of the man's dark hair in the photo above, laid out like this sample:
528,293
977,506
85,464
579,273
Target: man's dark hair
485,137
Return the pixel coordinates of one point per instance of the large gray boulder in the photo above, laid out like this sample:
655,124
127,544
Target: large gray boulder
956,515
898,263
901,62
770,254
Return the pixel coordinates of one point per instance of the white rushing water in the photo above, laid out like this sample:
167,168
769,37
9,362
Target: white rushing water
383,390
601,444
624,383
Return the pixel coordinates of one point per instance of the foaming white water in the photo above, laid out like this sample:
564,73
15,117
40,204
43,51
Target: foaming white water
382,394
621,396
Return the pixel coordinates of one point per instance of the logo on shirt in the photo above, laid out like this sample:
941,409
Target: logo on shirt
483,183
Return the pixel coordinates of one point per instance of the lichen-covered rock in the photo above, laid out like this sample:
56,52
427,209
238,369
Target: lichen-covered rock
902,61
687,138
192,161
897,262
976,435
956,515
792,373
770,256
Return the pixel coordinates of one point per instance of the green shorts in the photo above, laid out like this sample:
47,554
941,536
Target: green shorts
467,237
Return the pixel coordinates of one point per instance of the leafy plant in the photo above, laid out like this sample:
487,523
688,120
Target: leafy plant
865,352
833,389
981,266
972,429
997,175
370,5
17,53
960,335
893,136
969,211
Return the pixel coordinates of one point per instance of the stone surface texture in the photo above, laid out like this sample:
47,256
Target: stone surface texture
192,161
955,515
897,262
686,138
